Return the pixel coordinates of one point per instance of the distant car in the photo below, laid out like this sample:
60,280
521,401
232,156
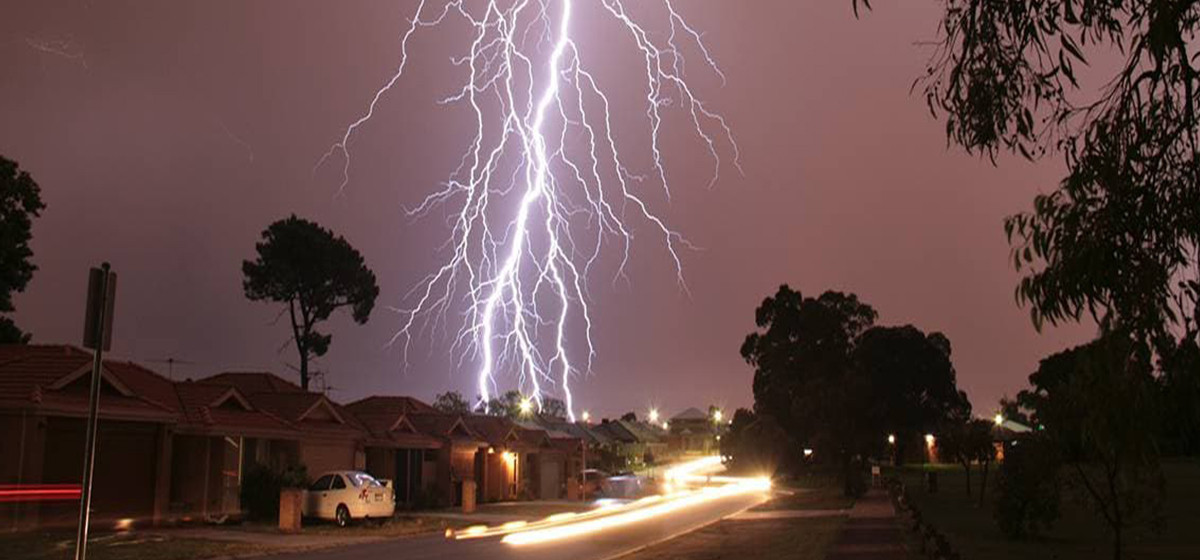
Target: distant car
626,486
594,482
343,496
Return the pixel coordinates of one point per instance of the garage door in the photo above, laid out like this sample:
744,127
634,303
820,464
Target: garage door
123,480
551,481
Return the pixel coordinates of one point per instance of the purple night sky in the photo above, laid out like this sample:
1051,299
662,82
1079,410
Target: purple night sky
167,135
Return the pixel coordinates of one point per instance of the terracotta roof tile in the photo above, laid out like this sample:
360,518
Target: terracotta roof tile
251,383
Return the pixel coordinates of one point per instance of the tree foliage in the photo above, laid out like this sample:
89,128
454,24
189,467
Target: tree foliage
752,444
836,383
553,408
314,273
910,381
1028,488
1120,237
801,356
20,203
967,442
451,402
507,405
1099,405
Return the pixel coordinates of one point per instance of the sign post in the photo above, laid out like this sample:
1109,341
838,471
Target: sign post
97,335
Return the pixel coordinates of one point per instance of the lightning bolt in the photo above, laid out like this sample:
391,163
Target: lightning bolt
542,170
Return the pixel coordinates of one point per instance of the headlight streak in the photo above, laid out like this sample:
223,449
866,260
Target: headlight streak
505,274
567,525
656,509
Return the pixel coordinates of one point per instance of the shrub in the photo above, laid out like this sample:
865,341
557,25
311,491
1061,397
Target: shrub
261,486
1028,490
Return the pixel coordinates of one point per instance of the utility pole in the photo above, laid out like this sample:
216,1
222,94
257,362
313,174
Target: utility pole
97,335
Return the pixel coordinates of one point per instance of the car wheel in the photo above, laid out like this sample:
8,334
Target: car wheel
342,516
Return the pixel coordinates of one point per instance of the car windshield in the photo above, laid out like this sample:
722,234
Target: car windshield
359,479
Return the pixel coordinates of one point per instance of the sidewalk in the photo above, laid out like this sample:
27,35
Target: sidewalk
870,532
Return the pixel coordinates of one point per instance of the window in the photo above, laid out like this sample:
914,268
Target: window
338,483
322,483
362,479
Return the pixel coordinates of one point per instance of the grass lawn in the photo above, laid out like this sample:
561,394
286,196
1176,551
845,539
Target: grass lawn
808,492
783,539
60,545
1078,534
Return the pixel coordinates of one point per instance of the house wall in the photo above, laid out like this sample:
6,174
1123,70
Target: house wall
22,450
324,456
197,482
550,482
381,462
456,462
501,482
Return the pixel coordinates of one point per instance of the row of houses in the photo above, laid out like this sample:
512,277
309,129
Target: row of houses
178,450
171,450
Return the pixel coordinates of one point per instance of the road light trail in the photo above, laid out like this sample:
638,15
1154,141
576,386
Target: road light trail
571,525
544,138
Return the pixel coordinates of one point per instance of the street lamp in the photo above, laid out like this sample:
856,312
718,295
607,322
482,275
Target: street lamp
999,418
526,406
666,426
653,415
892,439
929,439
717,415
587,417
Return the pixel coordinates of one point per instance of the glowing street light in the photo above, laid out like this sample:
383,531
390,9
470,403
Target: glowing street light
929,439
999,419
526,406
717,415
892,439
587,417
653,415
666,426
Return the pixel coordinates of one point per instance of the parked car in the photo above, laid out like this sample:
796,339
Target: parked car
594,482
343,496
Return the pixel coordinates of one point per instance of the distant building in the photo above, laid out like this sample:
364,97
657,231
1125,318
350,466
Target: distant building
693,431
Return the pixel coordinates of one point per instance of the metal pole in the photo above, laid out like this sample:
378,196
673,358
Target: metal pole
89,452
583,472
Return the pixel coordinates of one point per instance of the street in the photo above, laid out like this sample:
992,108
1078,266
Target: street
597,546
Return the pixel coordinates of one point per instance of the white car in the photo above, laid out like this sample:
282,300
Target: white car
342,496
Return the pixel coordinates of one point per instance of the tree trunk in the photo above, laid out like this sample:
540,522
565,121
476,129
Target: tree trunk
299,338
1117,543
967,467
303,369
983,483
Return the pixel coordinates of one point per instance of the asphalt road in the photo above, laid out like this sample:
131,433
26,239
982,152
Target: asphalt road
598,546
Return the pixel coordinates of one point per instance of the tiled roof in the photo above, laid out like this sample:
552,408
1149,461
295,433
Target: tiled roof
29,375
201,411
494,429
439,425
615,431
691,413
395,405
23,367
251,383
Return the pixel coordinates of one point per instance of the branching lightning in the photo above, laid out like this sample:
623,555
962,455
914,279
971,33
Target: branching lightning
544,165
